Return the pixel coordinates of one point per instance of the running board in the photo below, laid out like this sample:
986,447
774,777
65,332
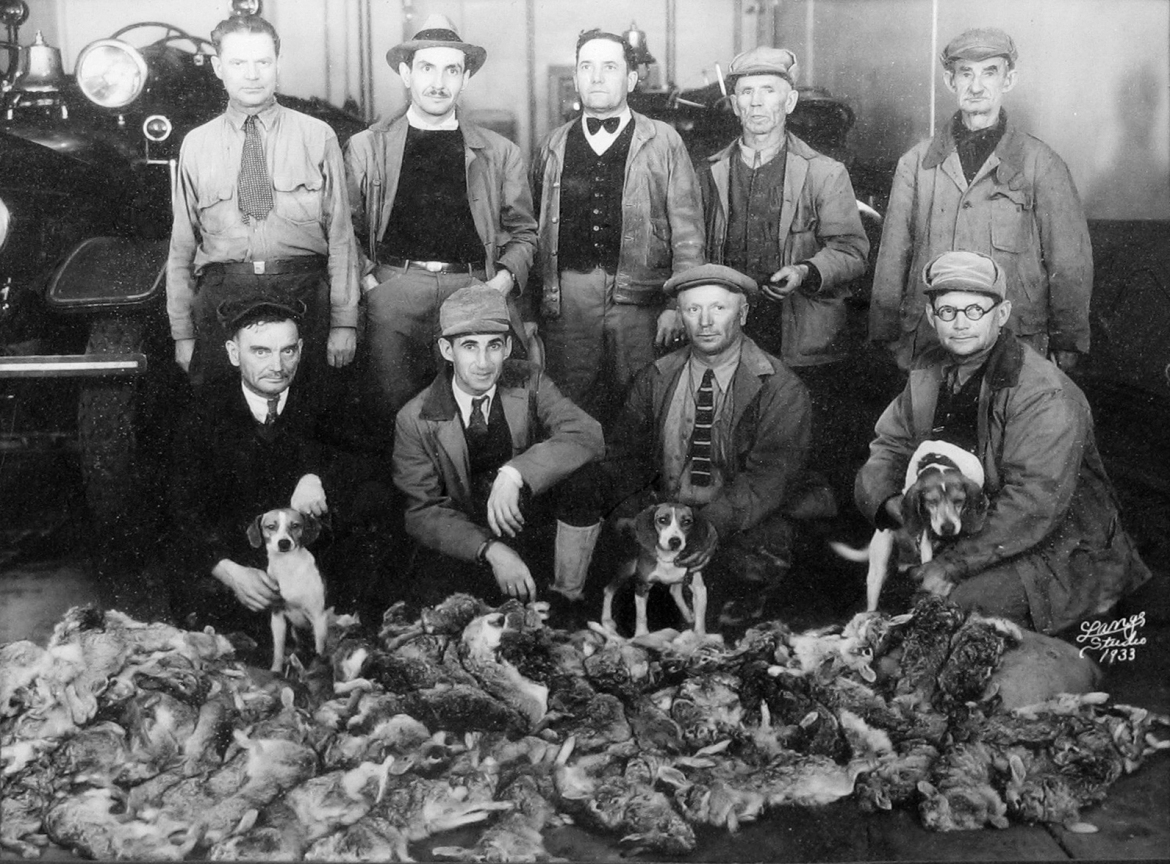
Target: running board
72,365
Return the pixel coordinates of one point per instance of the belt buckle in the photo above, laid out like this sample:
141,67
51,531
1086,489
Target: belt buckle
258,268
433,266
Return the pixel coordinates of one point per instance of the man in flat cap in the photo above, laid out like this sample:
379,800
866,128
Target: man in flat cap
438,203
260,211
620,211
786,215
982,184
1052,550
720,425
473,450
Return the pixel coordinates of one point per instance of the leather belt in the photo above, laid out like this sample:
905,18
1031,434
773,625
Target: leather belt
433,266
271,267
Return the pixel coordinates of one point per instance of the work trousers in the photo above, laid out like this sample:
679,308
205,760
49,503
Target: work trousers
595,346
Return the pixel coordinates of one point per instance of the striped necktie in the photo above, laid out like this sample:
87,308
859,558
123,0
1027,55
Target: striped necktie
273,406
255,187
701,435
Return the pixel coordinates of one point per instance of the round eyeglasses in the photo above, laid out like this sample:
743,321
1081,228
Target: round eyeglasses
972,313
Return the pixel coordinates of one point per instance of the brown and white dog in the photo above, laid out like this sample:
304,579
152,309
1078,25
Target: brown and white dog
284,533
942,499
664,532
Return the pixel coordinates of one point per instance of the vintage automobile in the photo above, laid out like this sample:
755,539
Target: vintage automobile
86,167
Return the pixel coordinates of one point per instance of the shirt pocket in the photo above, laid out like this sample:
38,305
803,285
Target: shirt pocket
218,212
297,193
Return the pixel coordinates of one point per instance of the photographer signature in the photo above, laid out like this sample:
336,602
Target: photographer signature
1116,640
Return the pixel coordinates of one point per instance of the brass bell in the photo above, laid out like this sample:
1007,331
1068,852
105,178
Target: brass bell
40,69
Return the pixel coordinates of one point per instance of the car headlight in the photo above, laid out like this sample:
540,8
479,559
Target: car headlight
111,73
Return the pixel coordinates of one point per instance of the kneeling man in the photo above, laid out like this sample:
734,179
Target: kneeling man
473,448
1052,550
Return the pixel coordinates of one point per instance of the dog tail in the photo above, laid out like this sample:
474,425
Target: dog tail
849,553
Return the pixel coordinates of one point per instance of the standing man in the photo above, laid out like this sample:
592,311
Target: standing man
260,211
438,203
1052,550
620,212
474,451
984,185
786,215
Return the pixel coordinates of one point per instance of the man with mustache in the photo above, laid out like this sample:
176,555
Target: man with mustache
438,203
984,185
260,210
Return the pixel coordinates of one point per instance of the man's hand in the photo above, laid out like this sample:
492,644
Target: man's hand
893,507
1066,360
309,496
342,346
783,282
503,281
511,573
503,506
254,588
184,349
934,579
699,556
670,328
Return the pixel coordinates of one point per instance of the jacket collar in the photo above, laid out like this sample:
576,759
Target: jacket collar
1005,362
1010,151
473,135
439,401
795,147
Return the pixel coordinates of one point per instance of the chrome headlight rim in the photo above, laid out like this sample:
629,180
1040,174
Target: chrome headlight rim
93,73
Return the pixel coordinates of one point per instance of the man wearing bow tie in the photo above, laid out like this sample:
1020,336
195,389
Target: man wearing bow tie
619,212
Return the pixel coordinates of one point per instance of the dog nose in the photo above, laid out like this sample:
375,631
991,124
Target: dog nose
284,545
674,542
949,529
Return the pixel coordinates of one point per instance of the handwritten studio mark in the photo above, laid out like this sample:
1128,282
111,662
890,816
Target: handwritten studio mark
1117,640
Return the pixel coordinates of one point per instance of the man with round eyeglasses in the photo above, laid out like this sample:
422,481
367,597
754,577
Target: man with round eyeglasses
1052,550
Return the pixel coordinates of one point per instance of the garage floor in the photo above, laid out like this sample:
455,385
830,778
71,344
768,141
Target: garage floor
45,568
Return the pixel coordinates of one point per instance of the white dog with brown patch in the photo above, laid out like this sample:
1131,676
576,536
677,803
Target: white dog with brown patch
284,533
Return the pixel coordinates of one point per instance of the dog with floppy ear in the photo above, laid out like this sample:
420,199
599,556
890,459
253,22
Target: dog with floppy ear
664,532
284,533
942,499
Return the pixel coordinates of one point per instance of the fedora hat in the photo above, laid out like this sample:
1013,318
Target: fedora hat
437,31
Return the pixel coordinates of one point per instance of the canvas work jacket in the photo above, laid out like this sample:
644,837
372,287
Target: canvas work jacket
662,214
1053,514
819,223
1022,209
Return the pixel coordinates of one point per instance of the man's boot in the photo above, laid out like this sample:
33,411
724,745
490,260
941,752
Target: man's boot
574,552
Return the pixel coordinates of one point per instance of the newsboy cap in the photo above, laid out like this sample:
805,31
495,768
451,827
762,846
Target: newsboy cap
235,314
763,60
711,274
964,271
437,32
475,308
979,44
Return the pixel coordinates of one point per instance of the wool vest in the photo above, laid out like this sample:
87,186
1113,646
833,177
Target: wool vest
591,202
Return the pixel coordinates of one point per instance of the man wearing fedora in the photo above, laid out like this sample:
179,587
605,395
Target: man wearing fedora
786,215
475,448
983,184
260,211
1052,550
619,213
438,203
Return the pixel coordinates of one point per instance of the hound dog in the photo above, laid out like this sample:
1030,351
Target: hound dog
664,532
942,499
284,533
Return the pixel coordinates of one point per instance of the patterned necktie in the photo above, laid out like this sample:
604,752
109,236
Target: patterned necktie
701,436
610,124
273,404
478,423
255,187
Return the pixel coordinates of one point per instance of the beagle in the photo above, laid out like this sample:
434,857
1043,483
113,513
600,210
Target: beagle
663,532
942,499
285,533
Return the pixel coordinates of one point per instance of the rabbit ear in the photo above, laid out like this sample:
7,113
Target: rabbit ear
311,529
255,536
975,510
913,514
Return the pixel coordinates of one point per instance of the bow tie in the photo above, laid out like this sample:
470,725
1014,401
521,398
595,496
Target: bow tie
595,123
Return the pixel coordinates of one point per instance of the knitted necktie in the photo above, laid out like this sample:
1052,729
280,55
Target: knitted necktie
478,423
273,404
610,124
255,187
701,436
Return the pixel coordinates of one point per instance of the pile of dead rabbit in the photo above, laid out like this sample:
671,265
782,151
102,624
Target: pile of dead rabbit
129,740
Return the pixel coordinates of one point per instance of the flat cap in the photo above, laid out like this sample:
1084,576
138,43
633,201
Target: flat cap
475,308
234,314
979,44
764,61
965,271
711,274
